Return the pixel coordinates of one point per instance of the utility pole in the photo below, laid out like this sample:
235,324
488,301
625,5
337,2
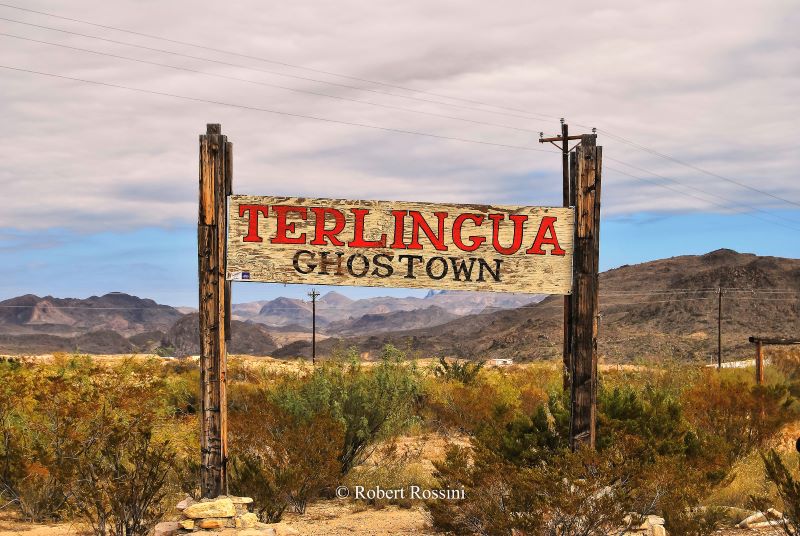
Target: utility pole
568,200
314,295
719,328
216,157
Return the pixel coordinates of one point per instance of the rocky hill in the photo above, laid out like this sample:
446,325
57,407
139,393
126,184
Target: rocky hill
252,339
660,309
339,310
122,313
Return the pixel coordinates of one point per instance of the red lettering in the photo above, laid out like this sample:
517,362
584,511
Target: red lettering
546,225
358,240
519,221
321,233
284,227
418,222
252,223
476,240
399,229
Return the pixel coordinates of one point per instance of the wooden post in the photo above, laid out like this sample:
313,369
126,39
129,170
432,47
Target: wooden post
759,363
585,304
565,170
719,328
314,295
215,185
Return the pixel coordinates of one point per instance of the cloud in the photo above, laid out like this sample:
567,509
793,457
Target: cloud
712,85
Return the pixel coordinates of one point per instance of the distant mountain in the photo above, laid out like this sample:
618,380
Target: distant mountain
119,312
394,321
246,338
336,308
659,309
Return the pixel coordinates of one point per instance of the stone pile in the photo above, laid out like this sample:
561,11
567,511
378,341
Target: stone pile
223,516
651,526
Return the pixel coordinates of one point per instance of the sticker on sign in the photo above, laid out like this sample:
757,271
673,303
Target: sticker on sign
400,244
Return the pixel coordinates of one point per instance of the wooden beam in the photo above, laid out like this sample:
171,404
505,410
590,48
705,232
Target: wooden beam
567,347
211,243
759,363
561,138
777,341
585,301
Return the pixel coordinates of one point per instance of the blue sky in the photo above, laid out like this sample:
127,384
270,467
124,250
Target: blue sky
696,111
161,263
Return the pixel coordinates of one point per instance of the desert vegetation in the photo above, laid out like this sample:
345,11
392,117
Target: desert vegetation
114,445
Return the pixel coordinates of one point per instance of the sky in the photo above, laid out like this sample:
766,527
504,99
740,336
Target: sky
695,108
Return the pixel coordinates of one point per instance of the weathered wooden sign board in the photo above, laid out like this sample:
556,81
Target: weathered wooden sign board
400,244
394,244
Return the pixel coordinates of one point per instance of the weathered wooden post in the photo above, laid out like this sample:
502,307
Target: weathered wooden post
214,307
585,304
759,362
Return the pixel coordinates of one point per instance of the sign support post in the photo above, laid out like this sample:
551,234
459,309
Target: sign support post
585,302
214,294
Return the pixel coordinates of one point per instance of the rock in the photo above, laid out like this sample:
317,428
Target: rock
211,509
258,532
246,521
658,530
751,520
282,529
240,500
187,524
188,501
215,523
166,528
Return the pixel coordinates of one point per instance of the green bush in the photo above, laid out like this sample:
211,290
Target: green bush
371,403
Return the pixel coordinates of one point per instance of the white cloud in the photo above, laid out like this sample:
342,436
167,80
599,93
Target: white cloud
713,83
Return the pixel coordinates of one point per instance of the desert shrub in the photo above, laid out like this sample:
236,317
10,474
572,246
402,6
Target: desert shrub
492,397
788,487
651,415
80,438
283,460
461,371
120,482
581,493
732,417
372,403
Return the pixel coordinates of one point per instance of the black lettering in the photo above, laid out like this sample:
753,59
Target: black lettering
382,260
410,259
494,273
461,268
296,262
429,268
325,262
364,260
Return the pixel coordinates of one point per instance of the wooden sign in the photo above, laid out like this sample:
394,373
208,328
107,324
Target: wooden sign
400,244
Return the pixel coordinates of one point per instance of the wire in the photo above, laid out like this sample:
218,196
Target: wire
699,198
697,168
265,60
736,203
277,112
186,69
239,66
529,115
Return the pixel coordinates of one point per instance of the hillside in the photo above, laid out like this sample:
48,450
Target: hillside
660,309
116,311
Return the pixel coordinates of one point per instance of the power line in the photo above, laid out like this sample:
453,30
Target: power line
698,198
277,112
697,168
258,58
265,84
529,115
239,66
736,203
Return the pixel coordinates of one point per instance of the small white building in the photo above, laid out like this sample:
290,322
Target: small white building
501,362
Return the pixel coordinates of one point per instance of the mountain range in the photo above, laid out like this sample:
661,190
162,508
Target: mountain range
660,309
